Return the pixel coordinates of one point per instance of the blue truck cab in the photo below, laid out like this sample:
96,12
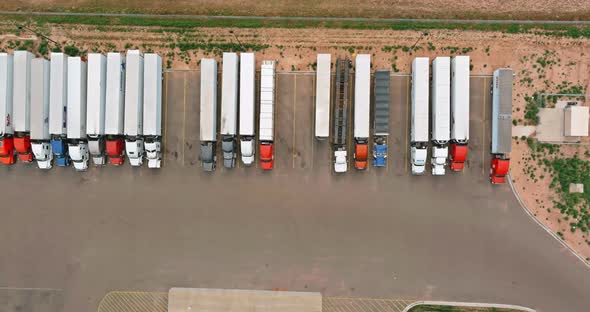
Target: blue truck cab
60,151
379,155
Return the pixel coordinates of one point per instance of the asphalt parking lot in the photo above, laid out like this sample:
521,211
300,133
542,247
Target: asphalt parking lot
296,149
377,233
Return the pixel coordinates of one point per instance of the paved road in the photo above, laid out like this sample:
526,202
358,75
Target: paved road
368,234
303,18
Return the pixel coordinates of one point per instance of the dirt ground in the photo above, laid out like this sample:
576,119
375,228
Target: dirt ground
539,62
516,9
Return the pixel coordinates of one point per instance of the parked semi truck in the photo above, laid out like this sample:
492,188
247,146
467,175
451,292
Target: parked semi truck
96,107
267,103
229,108
501,125
76,121
7,156
362,110
322,97
419,126
152,109
381,118
441,113
247,100
459,112
208,114
115,108
134,108
340,97
58,99
40,138
22,105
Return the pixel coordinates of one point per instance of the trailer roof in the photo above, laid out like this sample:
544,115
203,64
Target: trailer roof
267,100
441,98
96,94
134,94
420,95
208,100
76,120
58,93
6,65
322,99
382,99
502,112
362,95
39,99
22,91
115,94
247,93
460,98
229,94
152,95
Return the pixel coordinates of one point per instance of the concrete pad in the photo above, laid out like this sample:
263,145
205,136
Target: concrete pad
527,131
223,300
551,126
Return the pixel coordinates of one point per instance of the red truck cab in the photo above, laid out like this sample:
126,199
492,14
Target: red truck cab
458,155
361,152
115,151
266,155
23,148
7,151
499,170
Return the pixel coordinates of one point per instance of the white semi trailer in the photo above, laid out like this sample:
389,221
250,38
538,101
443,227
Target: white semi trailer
267,111
208,114
115,108
6,129
96,106
152,109
459,112
322,96
247,108
76,122
22,105
229,108
40,113
441,113
134,108
419,127
58,99
362,110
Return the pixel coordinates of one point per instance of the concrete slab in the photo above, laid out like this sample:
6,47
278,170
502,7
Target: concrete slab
234,300
551,127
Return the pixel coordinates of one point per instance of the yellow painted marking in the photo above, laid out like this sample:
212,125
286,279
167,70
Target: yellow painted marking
483,127
407,123
164,150
184,118
294,101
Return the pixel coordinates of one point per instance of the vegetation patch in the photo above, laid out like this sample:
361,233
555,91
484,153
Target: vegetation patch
177,24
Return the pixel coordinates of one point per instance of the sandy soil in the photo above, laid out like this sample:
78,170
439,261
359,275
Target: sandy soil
515,9
296,49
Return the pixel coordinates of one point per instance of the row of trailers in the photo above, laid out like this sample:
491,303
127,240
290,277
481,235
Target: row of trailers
340,99
439,113
70,109
238,85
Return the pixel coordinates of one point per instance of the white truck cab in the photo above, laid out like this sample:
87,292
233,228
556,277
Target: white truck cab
340,162
418,159
247,147
79,155
134,151
43,155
